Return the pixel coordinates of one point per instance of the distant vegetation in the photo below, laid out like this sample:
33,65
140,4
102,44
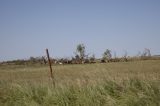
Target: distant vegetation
81,57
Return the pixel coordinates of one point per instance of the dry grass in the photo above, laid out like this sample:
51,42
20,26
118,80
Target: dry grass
143,70
125,78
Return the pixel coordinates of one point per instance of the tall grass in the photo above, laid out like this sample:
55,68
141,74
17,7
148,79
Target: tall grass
114,84
109,93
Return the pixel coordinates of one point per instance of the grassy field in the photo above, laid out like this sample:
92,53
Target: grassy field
110,84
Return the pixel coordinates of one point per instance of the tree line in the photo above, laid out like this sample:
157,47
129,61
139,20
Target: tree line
81,57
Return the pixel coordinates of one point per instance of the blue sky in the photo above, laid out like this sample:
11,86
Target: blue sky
27,27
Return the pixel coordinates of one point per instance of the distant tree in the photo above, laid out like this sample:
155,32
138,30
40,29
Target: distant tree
32,59
146,53
81,51
44,60
92,58
124,58
107,55
125,54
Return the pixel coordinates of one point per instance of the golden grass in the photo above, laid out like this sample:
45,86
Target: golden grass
110,84
84,73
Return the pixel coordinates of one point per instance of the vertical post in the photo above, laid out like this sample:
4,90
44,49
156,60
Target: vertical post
50,66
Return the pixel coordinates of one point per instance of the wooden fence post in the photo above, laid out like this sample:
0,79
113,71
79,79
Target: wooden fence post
50,66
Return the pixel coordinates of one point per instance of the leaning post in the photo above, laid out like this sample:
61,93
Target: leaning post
50,66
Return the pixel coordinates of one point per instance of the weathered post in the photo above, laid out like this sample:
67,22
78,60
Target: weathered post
49,62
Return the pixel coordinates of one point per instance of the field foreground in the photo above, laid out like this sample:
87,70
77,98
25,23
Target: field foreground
110,84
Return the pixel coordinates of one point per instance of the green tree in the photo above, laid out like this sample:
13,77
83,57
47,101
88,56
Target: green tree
107,55
81,50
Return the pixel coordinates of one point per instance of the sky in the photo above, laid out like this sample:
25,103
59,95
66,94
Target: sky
28,27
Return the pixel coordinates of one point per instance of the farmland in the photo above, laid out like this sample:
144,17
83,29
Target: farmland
135,83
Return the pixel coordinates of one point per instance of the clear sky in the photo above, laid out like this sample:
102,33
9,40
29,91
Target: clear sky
27,27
